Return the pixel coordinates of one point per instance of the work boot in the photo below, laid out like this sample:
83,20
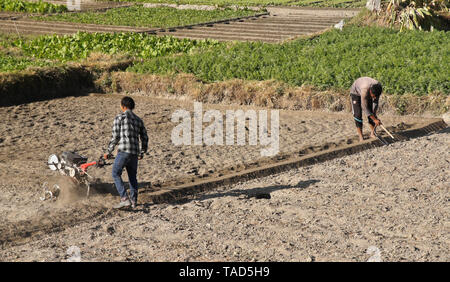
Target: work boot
133,204
123,204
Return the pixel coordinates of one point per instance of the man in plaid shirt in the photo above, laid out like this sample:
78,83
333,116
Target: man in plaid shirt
128,128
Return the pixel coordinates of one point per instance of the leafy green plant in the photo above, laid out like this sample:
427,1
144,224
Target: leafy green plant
80,45
31,7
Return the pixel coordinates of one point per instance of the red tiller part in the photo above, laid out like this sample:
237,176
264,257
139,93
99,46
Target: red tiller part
86,165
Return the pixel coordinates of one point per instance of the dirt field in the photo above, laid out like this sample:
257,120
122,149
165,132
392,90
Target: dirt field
405,201
31,132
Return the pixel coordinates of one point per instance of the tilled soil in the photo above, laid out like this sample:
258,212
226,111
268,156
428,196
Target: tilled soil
31,132
280,24
388,203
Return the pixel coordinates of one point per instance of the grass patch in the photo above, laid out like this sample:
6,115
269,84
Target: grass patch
31,7
409,62
138,16
10,63
268,93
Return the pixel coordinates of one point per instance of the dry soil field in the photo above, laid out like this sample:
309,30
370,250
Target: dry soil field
394,198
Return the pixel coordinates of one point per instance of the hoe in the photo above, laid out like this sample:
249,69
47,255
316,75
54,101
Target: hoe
380,138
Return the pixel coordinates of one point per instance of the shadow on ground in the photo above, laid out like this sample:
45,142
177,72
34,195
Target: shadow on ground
110,188
258,192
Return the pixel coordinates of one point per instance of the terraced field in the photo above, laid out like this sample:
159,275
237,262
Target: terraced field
279,25
276,25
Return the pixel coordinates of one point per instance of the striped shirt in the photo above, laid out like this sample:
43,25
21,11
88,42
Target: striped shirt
128,128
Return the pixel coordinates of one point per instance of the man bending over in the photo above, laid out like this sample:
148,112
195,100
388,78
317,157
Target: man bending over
365,93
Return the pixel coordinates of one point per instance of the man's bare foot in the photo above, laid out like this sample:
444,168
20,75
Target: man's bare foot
361,139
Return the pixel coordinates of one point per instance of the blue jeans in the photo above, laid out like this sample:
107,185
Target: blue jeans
130,162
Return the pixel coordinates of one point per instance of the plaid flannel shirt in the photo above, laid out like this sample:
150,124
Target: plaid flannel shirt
127,130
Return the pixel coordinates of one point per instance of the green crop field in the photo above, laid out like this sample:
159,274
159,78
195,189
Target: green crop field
30,7
13,59
314,3
80,45
405,62
410,62
216,2
139,16
19,53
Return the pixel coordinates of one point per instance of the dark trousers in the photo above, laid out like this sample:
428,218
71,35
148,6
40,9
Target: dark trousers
357,109
130,162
